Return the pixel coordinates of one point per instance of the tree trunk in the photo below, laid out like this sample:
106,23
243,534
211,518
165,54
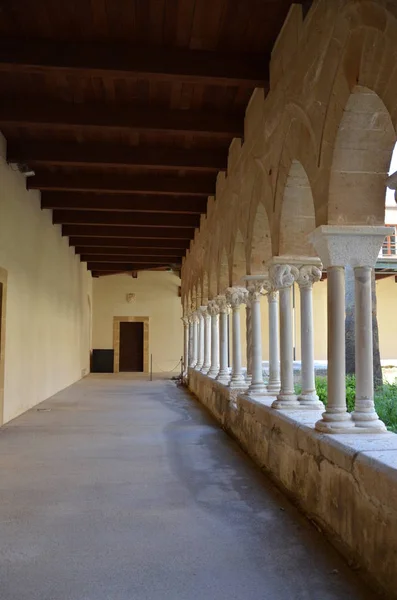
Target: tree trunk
350,332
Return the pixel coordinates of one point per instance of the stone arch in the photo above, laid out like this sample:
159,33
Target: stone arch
259,242
205,288
223,271
212,282
297,216
239,263
361,158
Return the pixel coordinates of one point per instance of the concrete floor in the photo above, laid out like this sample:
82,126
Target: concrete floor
127,490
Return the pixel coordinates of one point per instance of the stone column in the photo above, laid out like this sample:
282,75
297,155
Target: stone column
213,310
282,277
200,351
308,274
235,297
364,415
273,386
248,325
191,340
223,375
207,340
255,286
357,246
185,322
195,339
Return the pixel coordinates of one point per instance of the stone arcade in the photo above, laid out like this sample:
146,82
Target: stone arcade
304,195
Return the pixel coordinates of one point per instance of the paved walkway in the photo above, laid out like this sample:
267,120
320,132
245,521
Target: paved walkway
127,490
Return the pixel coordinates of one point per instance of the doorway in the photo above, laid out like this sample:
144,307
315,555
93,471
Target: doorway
131,347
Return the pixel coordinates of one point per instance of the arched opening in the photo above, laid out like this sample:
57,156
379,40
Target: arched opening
361,160
205,292
297,218
3,294
212,282
239,266
259,242
223,277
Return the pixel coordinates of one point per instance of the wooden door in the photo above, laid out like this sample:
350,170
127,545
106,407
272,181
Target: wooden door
131,347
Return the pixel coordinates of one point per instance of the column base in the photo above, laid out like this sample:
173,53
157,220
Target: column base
257,389
205,369
274,388
223,377
286,401
238,382
367,422
213,373
335,422
310,401
198,367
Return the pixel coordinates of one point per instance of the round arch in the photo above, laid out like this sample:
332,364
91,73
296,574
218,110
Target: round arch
297,215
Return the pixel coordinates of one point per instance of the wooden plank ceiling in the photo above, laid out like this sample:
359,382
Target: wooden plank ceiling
124,110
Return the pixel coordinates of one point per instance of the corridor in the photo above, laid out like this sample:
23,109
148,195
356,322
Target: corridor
122,489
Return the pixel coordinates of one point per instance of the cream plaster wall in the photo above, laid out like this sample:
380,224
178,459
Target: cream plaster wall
47,321
386,293
156,297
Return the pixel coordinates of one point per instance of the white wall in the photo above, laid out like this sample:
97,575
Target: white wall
156,298
47,319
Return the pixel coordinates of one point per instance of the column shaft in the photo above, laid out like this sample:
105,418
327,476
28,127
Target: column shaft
237,380
336,417
273,386
257,385
287,397
364,415
308,397
191,343
223,374
185,347
200,353
248,324
214,369
195,341
207,344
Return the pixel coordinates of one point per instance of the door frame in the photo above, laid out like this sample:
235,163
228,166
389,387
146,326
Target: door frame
3,281
116,340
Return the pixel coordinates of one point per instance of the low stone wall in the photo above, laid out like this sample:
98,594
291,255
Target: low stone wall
347,484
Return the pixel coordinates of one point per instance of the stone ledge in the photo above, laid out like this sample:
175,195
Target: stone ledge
347,483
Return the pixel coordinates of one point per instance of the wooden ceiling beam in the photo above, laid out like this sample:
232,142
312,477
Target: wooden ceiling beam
84,241
127,266
103,231
118,60
132,253
122,184
48,113
193,205
126,258
111,155
92,217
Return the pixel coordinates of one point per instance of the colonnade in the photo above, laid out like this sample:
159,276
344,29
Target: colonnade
206,330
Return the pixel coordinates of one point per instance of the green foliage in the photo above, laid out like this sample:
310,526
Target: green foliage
385,398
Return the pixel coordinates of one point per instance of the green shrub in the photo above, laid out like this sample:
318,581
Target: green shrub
385,398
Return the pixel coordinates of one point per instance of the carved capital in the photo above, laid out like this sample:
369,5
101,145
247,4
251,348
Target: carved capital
308,274
282,276
185,320
212,308
272,296
204,312
222,303
236,296
254,287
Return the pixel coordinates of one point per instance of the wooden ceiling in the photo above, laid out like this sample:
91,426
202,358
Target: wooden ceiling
125,109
